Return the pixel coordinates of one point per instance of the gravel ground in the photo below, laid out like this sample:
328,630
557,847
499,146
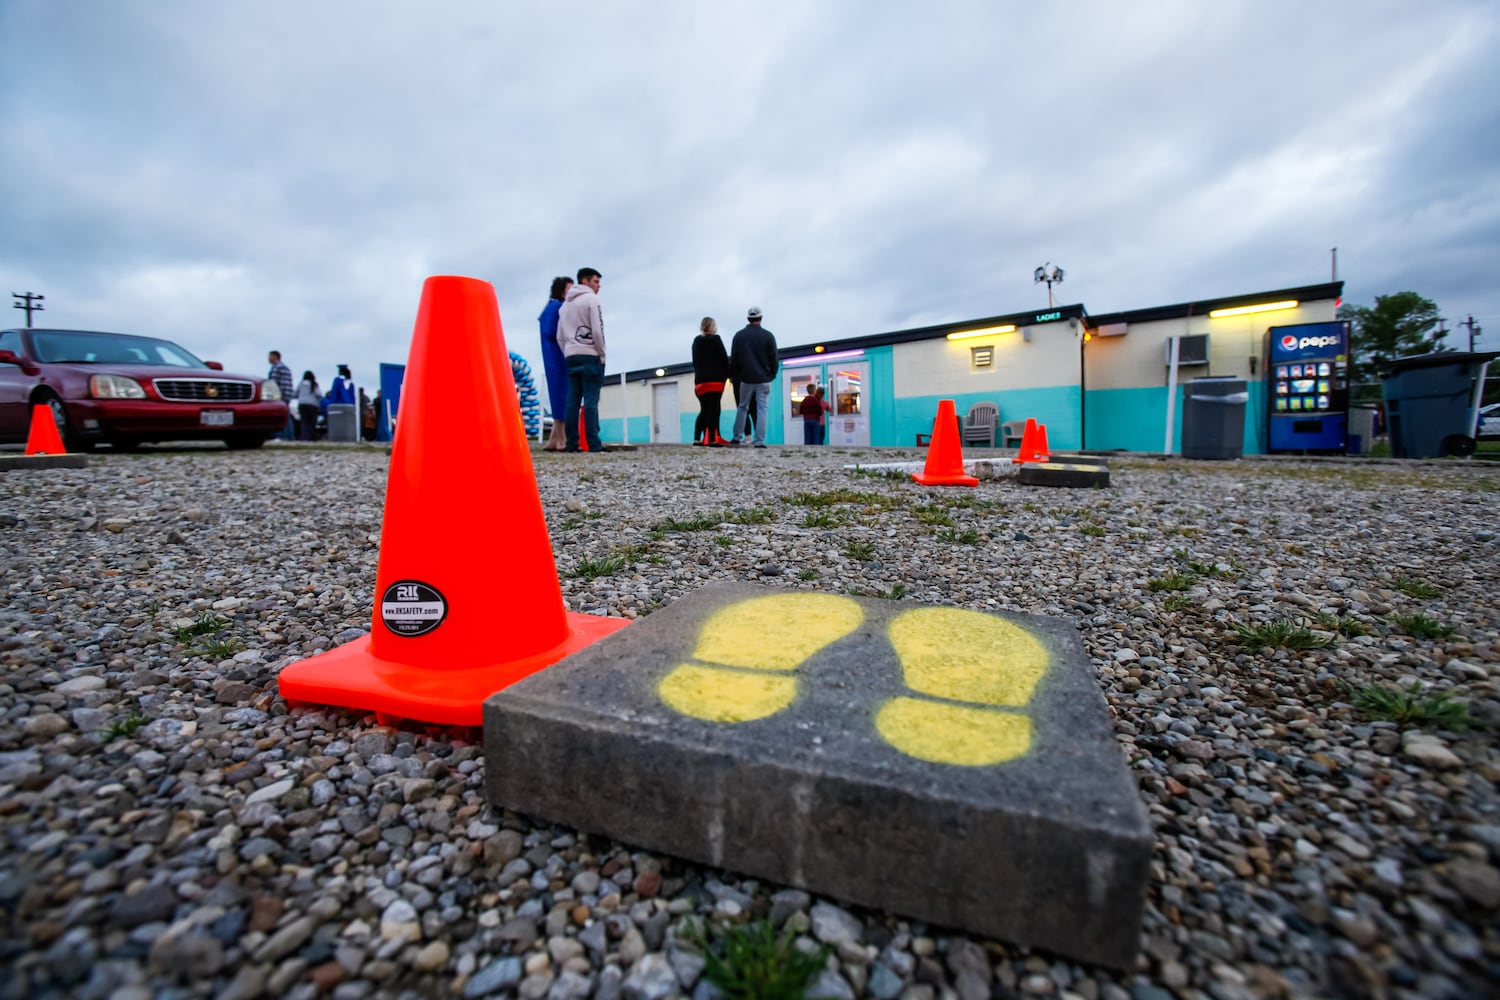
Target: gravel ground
170,829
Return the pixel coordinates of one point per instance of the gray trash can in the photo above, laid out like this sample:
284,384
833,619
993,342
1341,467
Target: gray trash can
1213,418
1361,430
342,425
1432,402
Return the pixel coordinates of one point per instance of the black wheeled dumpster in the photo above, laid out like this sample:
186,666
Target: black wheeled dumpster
1213,418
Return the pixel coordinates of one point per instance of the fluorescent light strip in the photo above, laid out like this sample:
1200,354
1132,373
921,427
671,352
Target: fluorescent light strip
820,358
986,332
1263,307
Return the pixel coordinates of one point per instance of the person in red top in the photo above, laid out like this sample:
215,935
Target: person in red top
710,370
811,409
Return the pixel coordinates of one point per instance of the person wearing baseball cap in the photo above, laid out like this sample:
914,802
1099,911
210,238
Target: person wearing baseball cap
753,363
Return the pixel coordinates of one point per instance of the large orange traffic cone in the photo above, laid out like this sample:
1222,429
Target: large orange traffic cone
1033,443
466,594
43,438
945,456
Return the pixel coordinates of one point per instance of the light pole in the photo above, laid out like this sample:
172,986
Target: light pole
1050,275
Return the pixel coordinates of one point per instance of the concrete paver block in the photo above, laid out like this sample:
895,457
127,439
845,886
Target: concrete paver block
1074,474
940,763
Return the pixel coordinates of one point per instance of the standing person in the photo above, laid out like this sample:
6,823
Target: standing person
580,333
309,405
752,360
710,370
811,409
342,390
282,376
554,364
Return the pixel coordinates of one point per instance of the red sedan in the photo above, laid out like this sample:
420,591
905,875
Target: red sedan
123,390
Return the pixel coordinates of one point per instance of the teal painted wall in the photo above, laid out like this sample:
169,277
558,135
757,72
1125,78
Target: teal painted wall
640,429
883,425
1055,406
1136,419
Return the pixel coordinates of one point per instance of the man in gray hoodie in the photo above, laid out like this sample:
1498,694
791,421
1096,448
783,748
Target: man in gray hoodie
752,360
580,333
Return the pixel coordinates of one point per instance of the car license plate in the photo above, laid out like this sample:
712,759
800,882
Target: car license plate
217,418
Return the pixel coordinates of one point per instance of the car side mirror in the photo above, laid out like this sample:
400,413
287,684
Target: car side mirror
214,365
11,358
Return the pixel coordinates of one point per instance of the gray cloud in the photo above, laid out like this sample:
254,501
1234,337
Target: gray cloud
239,177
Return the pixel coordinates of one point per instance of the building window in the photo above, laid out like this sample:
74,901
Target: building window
981,357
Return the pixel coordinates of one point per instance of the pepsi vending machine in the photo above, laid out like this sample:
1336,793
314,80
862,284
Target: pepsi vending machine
1307,384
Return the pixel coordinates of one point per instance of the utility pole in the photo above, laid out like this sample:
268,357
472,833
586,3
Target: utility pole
31,303
1474,331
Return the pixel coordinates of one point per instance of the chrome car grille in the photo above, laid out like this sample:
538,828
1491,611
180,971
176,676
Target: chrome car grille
204,390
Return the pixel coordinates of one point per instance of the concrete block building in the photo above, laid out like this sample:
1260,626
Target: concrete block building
1102,381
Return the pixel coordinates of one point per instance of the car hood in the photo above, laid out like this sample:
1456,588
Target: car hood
147,371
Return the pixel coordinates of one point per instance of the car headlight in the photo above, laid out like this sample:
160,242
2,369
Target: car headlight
115,387
269,390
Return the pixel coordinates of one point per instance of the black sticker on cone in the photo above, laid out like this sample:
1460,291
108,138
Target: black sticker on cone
410,608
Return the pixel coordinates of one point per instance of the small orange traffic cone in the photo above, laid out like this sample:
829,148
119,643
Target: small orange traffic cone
583,438
466,594
945,456
1033,443
43,438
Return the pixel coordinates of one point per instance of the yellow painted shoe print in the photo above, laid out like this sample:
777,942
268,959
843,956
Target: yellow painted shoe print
985,663
742,668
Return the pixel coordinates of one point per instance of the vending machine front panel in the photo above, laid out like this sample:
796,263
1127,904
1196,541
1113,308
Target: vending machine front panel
1308,387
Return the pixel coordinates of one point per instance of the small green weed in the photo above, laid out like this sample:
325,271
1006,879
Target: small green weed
861,550
220,649
932,514
707,522
206,624
1422,626
808,574
1342,624
1284,632
1094,530
589,569
968,536
1410,707
821,519
1413,587
124,727
1175,602
755,515
753,962
1172,581
724,541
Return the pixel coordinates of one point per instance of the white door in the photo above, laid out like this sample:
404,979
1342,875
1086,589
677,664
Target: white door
795,383
666,427
849,423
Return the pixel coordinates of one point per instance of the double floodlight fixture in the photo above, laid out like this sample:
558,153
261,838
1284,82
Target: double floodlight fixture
1050,275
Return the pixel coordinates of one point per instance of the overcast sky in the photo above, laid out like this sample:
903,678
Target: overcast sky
241,176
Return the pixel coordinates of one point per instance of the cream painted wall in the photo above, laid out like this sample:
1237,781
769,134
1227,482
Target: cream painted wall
943,367
1138,357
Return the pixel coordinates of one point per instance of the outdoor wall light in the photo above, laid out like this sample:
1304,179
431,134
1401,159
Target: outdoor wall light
660,372
986,332
1263,307
819,349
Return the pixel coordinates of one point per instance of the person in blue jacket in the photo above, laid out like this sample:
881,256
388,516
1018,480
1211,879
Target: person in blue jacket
555,365
342,390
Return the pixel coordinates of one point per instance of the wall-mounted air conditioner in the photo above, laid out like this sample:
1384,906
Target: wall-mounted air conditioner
1192,349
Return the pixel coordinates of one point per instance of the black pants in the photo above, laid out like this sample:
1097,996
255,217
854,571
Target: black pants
710,402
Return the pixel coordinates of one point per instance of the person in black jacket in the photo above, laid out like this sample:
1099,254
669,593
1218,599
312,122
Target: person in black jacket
710,370
753,361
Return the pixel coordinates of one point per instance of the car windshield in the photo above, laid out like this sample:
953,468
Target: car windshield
109,348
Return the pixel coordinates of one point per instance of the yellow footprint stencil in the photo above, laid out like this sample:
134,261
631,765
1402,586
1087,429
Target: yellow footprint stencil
742,667
962,656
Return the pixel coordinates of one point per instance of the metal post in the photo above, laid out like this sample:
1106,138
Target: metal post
1171,393
624,412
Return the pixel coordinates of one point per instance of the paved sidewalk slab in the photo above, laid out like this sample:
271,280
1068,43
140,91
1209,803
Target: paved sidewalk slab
70,461
940,763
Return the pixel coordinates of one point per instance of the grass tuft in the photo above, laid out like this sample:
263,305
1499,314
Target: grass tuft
707,522
753,962
1172,581
1413,587
1410,707
589,569
125,727
861,550
206,624
1422,626
1285,633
